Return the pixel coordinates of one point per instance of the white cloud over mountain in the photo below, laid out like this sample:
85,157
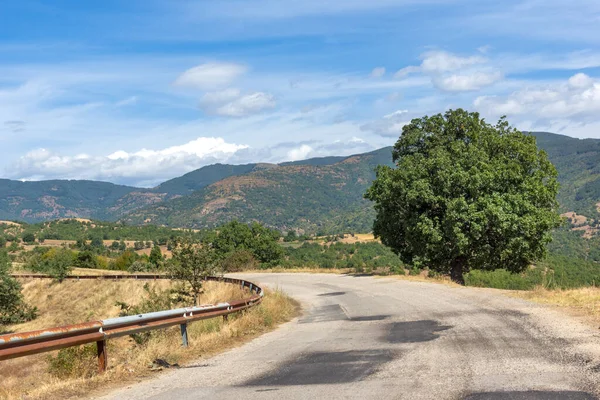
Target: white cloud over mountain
142,165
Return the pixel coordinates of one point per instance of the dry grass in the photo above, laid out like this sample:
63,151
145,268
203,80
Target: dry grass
78,301
424,278
584,302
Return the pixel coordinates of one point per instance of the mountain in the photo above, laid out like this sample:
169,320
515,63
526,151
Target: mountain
47,200
202,177
323,195
319,194
578,165
44,200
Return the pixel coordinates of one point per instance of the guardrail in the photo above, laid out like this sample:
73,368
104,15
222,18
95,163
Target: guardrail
22,344
107,277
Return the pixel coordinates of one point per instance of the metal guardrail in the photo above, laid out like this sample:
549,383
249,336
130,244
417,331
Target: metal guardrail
22,344
106,277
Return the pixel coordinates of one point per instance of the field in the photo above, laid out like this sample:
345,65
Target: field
74,372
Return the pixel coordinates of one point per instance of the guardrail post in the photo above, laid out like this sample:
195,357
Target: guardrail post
102,356
225,317
184,336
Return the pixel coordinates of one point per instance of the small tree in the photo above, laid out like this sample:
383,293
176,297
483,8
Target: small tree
13,308
28,237
192,263
60,263
156,256
465,195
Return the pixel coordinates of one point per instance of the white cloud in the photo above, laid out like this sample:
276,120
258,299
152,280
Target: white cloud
127,102
210,99
299,153
210,75
406,71
395,114
575,100
454,73
378,72
143,165
247,104
231,103
442,61
467,82
389,126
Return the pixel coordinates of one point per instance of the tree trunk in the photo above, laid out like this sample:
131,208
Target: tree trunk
457,270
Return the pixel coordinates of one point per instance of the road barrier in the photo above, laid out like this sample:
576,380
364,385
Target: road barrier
22,344
107,277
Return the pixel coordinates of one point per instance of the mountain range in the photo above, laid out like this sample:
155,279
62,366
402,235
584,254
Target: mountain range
315,195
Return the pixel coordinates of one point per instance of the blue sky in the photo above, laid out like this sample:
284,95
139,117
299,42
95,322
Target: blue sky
137,92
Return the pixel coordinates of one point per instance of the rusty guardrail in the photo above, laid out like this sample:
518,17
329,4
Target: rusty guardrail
107,277
22,344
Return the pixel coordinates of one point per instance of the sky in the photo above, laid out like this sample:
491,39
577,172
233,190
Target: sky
140,91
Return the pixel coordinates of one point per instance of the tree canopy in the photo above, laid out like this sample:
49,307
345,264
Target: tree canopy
465,194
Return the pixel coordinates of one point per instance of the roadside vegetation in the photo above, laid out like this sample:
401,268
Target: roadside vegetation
73,371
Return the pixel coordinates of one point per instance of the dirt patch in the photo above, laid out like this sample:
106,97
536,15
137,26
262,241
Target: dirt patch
574,218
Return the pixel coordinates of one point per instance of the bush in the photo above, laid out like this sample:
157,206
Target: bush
86,259
241,260
155,300
139,266
503,279
28,237
74,362
55,262
13,308
124,261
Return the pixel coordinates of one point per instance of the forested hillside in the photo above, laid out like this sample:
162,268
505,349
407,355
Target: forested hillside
312,198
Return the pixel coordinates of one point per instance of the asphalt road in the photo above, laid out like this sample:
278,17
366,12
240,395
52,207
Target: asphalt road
384,338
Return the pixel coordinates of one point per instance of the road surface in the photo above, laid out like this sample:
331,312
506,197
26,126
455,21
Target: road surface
384,338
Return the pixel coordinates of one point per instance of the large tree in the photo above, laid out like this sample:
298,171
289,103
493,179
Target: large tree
465,194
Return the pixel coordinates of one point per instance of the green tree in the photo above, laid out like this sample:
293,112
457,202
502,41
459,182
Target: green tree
155,256
97,243
261,241
28,237
192,262
13,308
86,259
60,263
465,195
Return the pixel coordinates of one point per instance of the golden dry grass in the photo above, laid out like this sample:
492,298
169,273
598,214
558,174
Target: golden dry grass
78,301
584,302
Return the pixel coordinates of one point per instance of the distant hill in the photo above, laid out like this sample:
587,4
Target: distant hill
578,165
324,196
319,194
46,200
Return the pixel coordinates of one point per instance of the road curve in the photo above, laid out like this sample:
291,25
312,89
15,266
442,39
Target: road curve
384,338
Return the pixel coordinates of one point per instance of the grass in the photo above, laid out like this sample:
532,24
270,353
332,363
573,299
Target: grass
584,302
78,301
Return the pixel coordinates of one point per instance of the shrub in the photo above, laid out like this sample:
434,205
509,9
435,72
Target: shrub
86,259
28,237
240,260
503,279
74,362
13,308
139,266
